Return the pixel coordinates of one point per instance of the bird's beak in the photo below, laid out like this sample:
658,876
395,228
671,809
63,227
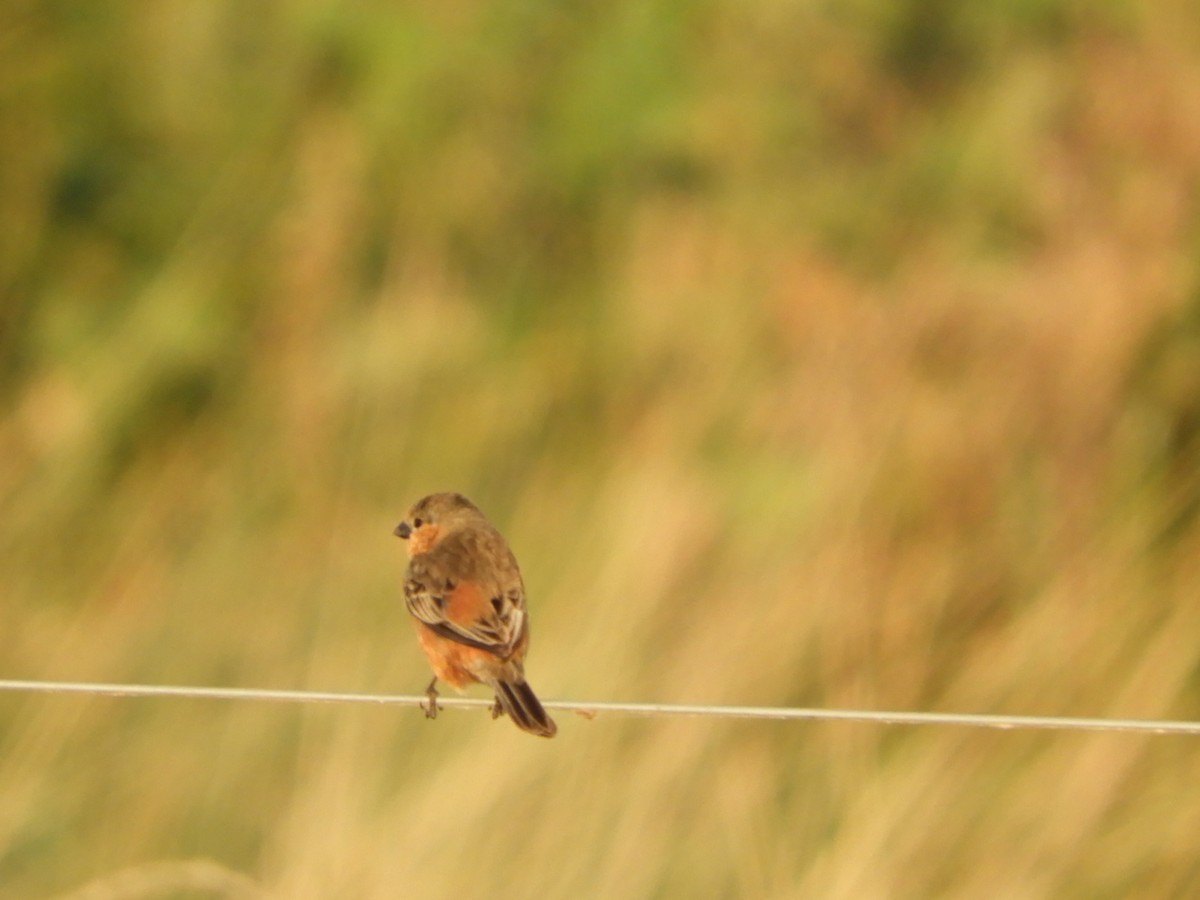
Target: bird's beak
402,531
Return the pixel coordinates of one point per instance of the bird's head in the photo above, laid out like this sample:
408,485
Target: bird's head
432,518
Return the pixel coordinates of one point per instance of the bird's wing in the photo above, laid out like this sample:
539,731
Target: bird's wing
471,611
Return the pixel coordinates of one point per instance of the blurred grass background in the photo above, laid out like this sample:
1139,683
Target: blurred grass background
825,354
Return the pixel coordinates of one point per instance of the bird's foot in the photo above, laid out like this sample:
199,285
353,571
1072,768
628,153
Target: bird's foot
431,696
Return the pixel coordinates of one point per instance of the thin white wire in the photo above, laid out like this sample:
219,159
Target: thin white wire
592,709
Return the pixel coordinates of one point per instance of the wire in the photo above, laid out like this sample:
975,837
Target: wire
591,710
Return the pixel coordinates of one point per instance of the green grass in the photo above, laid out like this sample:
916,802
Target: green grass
838,356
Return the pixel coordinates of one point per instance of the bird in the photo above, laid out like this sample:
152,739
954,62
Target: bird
463,586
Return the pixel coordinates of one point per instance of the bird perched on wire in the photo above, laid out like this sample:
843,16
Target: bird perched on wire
464,588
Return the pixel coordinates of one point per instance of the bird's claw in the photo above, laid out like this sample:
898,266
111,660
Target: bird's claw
431,697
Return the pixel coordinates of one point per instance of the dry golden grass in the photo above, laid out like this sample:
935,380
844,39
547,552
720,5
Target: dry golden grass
803,361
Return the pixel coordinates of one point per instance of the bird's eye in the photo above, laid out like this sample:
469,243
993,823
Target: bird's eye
416,523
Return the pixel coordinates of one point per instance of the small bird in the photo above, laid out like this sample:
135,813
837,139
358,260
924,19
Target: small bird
464,588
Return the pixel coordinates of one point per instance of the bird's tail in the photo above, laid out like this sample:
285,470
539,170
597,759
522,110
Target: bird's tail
518,700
